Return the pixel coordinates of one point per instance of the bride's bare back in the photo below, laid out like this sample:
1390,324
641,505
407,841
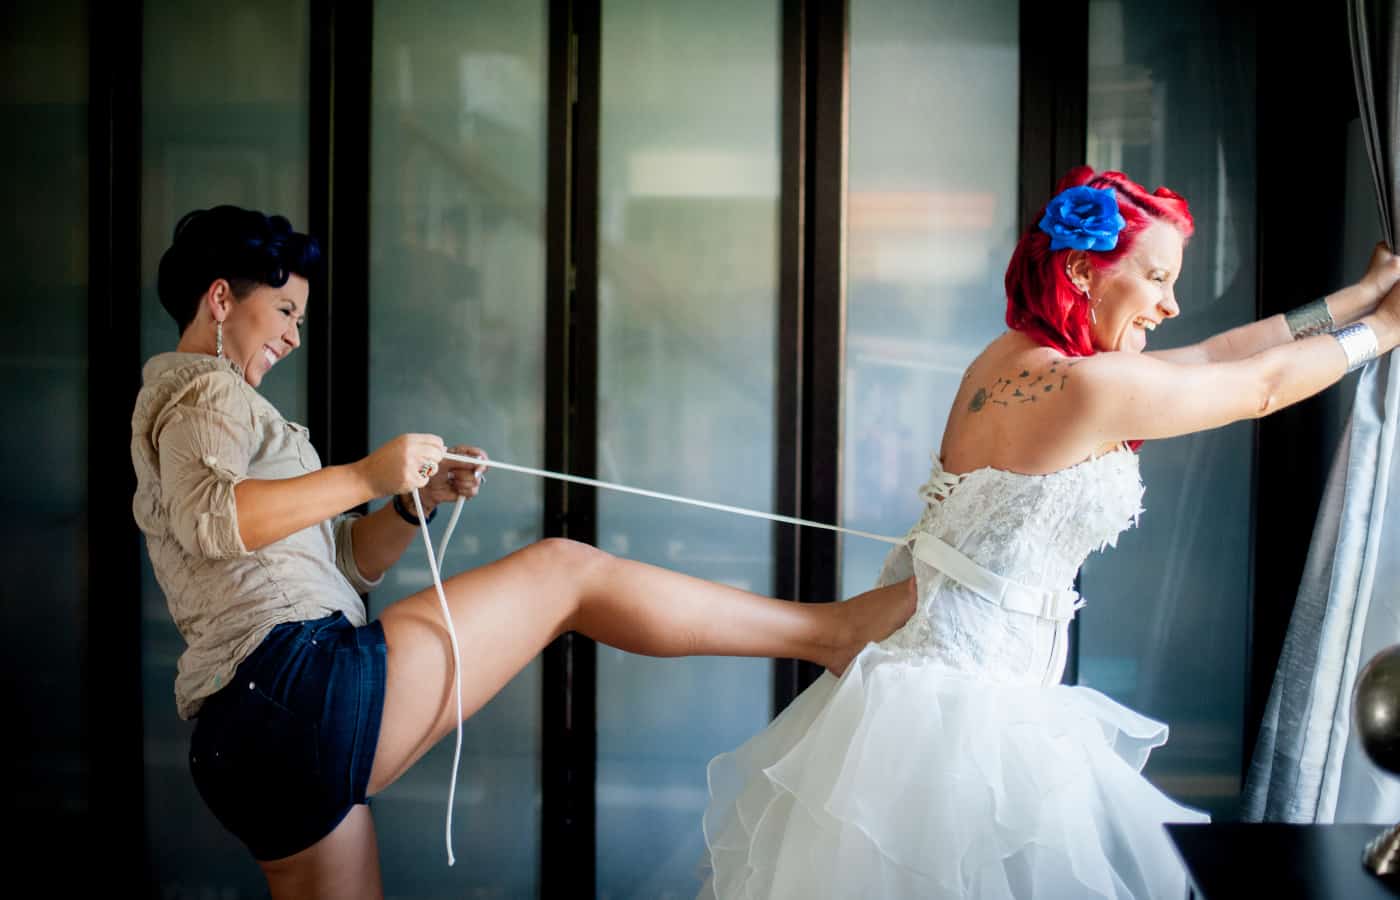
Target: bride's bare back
1013,412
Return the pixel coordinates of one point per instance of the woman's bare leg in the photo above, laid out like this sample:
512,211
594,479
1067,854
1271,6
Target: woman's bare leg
343,864
505,613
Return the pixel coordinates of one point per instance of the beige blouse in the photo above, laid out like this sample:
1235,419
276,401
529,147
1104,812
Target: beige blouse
198,430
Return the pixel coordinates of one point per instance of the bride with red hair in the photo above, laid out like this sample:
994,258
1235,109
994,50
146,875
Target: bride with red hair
948,760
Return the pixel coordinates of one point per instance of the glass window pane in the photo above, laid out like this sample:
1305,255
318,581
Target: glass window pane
932,222
688,197
43,382
210,138
1165,630
457,314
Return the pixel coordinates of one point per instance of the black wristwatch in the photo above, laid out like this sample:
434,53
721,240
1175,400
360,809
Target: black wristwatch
407,514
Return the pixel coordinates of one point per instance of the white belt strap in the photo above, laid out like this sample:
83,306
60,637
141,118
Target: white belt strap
1058,606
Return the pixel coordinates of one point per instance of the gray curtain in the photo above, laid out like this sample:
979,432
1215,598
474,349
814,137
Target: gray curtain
1307,765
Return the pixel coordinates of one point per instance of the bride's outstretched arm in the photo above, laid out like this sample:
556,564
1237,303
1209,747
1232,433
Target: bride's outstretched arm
1345,306
1116,396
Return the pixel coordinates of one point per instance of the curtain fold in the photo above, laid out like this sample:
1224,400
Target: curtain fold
1308,765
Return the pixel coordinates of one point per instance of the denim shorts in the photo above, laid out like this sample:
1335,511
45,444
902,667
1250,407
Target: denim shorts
282,753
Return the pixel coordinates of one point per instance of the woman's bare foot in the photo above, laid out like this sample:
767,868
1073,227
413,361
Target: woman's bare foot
871,616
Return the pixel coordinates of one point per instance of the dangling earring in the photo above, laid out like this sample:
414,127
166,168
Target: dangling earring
1087,299
219,339
1090,300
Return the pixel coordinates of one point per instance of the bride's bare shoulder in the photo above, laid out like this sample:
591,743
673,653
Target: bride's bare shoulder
1012,410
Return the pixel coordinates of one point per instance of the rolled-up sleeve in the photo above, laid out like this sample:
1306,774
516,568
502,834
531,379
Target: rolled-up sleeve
204,442
345,555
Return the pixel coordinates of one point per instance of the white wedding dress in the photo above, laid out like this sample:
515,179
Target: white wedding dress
948,761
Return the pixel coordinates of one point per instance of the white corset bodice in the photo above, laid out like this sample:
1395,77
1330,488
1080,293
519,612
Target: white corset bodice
1032,529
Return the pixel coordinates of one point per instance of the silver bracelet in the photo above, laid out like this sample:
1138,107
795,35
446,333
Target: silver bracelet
1358,343
1309,319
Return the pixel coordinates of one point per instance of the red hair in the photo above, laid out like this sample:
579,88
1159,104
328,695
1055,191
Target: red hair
1040,299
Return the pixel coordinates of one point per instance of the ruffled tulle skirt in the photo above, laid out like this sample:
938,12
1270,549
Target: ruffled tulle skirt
905,779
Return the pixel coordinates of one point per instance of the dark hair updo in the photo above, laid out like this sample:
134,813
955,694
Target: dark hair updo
243,246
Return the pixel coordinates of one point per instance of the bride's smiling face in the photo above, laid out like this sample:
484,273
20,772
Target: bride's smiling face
1138,293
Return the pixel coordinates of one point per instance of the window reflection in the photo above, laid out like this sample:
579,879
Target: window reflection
44,103
687,383
1165,629
932,216
457,306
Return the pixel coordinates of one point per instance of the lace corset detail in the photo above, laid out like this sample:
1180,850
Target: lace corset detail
1033,529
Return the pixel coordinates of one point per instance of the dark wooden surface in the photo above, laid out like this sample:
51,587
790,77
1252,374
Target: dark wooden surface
1282,862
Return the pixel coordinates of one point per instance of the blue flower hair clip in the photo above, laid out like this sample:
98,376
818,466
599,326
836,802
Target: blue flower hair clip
1083,218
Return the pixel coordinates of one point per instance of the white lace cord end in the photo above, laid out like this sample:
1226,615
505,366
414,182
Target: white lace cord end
433,564
447,535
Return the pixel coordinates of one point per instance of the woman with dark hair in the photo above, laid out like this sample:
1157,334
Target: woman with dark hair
304,708
948,761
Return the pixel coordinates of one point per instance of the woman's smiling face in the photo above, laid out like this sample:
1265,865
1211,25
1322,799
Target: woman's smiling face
1134,296
265,326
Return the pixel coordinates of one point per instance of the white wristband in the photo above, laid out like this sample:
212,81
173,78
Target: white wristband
1358,342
